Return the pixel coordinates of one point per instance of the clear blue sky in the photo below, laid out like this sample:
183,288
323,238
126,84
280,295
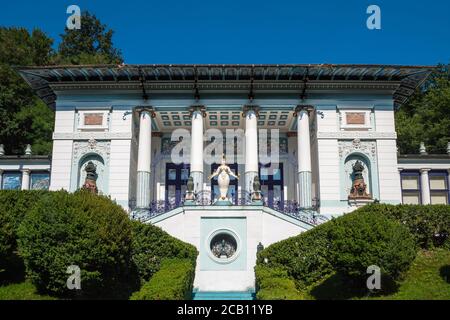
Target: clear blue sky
242,31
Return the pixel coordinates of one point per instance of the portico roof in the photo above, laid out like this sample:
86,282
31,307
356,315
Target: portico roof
44,79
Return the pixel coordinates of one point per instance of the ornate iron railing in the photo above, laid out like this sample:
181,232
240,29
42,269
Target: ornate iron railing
203,198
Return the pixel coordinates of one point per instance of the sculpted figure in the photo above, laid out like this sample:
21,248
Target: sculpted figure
223,173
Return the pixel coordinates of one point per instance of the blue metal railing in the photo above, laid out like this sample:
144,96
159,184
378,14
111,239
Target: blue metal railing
288,207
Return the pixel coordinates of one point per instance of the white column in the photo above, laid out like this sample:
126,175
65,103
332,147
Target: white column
251,147
304,158
197,148
425,186
26,179
1,179
144,159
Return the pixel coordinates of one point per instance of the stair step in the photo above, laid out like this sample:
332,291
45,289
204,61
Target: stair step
206,295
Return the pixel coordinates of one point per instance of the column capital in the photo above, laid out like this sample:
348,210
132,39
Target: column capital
303,107
197,108
400,169
148,109
424,170
25,171
249,107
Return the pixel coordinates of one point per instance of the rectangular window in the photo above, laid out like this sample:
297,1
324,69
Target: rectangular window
439,189
40,181
411,187
12,181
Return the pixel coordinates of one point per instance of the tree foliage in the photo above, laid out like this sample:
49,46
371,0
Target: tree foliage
23,117
92,44
426,117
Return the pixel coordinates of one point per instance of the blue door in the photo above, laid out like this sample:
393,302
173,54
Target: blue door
176,180
272,181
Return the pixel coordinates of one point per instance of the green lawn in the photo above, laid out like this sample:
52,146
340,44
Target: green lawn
427,279
21,291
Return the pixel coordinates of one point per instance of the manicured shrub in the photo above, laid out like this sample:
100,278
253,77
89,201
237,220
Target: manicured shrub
80,229
305,257
151,245
361,239
429,224
14,205
273,283
173,281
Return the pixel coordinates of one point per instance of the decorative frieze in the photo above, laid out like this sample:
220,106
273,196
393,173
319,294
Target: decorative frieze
92,135
367,148
82,148
362,135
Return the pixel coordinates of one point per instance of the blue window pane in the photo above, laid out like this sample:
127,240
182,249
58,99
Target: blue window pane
12,181
277,174
184,174
40,181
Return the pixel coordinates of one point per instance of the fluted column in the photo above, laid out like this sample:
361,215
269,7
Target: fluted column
304,157
144,158
197,114
425,186
26,179
251,146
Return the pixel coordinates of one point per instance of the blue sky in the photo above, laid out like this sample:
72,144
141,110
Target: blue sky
243,31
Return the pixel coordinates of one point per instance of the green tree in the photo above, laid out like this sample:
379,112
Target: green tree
23,117
92,44
426,117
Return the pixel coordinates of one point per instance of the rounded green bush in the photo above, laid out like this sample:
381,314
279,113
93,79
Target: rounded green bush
429,224
173,281
14,205
361,239
151,244
80,229
305,257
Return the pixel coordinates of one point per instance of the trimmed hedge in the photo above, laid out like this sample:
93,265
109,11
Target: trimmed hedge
80,229
361,239
373,235
273,283
305,257
429,224
14,205
151,244
173,281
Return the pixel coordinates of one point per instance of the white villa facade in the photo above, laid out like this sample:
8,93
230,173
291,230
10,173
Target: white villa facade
322,119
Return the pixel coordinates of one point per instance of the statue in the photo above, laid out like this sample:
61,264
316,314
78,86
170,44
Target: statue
90,182
256,194
223,172
359,187
190,195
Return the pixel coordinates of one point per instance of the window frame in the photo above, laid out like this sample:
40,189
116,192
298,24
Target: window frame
5,172
439,173
411,173
39,172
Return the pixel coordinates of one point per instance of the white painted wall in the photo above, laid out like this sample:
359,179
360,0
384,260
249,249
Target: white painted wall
262,226
61,165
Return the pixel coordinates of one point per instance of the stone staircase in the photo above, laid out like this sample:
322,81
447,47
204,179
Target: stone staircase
231,295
